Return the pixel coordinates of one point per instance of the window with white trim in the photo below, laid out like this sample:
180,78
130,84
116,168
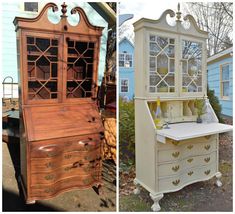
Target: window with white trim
124,85
125,60
224,80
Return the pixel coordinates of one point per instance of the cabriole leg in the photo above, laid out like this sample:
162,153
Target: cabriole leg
156,198
137,189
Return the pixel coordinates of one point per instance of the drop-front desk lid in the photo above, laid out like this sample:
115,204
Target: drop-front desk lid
48,122
183,131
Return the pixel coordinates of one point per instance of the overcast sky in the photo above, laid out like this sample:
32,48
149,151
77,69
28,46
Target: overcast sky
145,9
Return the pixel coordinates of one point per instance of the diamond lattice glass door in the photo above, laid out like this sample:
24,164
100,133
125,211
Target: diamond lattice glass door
80,58
161,64
42,64
191,66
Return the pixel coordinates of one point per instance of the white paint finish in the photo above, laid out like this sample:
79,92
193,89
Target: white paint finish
182,131
144,147
172,144
182,152
169,159
175,182
169,169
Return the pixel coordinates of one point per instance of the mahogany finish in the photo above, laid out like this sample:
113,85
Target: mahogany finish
61,129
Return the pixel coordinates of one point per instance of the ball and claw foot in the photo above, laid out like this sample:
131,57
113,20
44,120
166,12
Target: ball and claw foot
218,181
137,189
156,198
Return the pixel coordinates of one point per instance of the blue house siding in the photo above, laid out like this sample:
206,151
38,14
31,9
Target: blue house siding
214,83
125,46
9,56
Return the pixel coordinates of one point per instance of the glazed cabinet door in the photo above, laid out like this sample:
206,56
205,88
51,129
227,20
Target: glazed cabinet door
81,56
162,58
41,67
192,67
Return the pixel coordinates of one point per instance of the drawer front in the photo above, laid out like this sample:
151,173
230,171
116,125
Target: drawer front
172,144
55,148
178,167
68,158
65,172
189,176
186,151
85,181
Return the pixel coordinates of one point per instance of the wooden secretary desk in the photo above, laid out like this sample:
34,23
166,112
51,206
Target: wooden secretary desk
170,65
61,129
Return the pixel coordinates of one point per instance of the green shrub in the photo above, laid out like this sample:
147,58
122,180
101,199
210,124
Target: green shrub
214,101
126,131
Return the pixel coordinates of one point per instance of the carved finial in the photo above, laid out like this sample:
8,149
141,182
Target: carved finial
178,6
64,10
178,13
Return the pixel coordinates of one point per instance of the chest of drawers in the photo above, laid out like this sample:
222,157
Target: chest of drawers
180,163
52,159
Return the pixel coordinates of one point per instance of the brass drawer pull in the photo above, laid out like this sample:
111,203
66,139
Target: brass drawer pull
175,168
207,172
49,177
67,156
49,190
190,173
190,146
51,154
207,147
49,165
207,159
175,142
67,168
176,182
190,160
77,164
175,154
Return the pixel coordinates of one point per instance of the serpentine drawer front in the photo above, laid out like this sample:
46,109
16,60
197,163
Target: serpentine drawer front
186,150
188,176
53,148
46,191
179,166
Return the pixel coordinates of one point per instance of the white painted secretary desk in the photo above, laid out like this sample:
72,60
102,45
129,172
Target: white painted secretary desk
170,65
